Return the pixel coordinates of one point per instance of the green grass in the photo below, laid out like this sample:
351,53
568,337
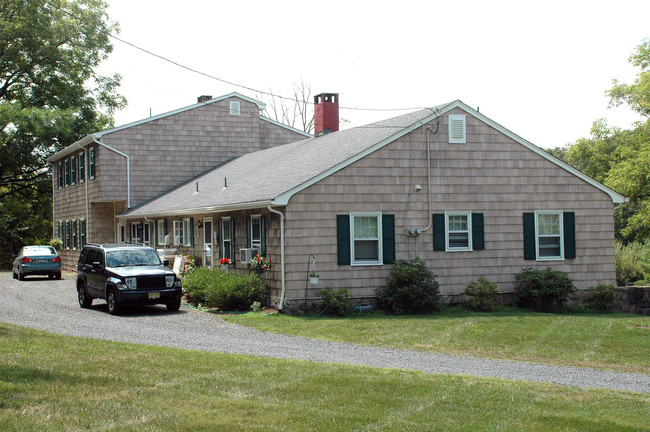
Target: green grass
618,342
58,383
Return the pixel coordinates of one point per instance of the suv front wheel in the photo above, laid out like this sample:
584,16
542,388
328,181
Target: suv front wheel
114,307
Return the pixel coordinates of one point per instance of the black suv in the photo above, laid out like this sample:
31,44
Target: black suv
125,274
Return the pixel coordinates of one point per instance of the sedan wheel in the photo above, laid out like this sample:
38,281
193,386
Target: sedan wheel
113,305
21,276
14,274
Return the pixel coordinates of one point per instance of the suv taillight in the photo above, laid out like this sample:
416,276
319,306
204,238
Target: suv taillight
26,260
56,259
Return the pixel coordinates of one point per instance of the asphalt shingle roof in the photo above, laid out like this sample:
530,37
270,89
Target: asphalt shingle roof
262,176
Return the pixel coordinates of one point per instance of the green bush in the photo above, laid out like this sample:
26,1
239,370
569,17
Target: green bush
629,262
601,297
410,288
481,295
214,288
542,289
336,301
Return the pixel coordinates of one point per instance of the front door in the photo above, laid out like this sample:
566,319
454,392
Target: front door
208,250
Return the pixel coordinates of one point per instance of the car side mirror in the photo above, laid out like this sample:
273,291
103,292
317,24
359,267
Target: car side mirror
14,255
166,262
97,265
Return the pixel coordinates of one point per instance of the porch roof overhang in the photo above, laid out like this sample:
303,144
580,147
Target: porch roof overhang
197,210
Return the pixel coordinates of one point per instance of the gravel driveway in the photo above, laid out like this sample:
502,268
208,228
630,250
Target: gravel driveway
52,305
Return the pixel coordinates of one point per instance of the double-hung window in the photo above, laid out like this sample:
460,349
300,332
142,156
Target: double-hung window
459,230
82,166
67,172
226,238
182,232
73,170
548,230
163,240
136,232
365,229
256,232
91,163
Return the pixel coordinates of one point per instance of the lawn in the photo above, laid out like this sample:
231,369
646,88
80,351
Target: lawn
618,342
59,383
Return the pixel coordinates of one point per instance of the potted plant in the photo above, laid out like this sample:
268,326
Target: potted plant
224,263
259,264
313,278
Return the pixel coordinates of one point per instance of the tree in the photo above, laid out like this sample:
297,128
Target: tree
50,95
621,158
297,112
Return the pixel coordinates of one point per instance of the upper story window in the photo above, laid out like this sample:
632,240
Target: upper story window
82,166
73,170
91,163
235,108
60,175
366,245
67,172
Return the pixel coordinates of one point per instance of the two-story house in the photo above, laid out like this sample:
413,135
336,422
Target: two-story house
108,172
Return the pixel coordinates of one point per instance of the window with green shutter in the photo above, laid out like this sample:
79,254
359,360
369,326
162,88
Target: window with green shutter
549,235
366,238
458,231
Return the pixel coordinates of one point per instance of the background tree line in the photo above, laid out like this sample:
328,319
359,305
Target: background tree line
50,96
620,159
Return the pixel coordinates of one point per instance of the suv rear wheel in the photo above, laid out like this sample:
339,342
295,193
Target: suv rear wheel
114,307
84,300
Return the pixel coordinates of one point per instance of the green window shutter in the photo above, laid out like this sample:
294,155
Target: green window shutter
192,231
165,227
232,238
249,231
388,238
343,239
220,237
569,235
529,236
439,232
478,232
155,234
263,234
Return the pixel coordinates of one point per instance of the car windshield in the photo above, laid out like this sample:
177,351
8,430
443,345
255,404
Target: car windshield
132,257
44,250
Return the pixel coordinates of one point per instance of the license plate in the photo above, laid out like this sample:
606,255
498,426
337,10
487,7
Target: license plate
154,295
42,261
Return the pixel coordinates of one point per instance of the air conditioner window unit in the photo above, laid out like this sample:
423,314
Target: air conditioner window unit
247,254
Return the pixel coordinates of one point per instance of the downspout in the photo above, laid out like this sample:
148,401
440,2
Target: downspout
282,272
128,168
53,202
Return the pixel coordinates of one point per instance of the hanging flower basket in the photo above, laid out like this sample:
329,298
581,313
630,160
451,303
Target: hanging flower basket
259,264
313,279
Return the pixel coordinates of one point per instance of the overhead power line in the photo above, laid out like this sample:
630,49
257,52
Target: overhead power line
207,75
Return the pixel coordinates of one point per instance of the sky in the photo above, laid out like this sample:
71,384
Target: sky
540,69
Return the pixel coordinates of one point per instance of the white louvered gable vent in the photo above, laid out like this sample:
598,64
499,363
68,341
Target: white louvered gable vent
457,129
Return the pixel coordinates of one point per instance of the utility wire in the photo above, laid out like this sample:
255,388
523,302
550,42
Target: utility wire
196,71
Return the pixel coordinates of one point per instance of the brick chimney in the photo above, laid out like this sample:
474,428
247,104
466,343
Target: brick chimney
326,113
204,98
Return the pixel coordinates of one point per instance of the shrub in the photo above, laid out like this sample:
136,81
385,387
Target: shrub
56,243
410,288
542,289
338,300
481,295
601,297
629,263
222,290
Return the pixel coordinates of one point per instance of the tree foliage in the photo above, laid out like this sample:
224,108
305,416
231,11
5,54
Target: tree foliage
50,93
618,158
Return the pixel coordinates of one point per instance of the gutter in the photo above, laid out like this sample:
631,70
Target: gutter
282,264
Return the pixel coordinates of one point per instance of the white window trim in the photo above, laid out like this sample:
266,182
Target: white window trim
185,241
353,260
456,118
560,215
256,243
161,232
469,247
235,108
134,232
224,238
